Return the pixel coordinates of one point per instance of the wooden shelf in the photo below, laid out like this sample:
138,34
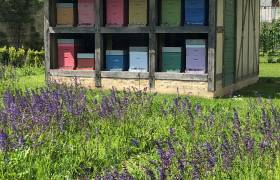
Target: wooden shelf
182,29
72,30
181,76
72,73
124,75
129,29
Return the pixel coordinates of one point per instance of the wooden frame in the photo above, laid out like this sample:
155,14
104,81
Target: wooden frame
153,30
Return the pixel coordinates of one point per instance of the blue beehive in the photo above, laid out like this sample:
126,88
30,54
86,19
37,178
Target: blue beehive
195,12
138,59
116,60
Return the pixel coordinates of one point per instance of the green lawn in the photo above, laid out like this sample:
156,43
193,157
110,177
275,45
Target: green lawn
269,83
136,133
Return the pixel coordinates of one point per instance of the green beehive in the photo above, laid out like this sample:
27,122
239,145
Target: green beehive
138,10
171,12
171,59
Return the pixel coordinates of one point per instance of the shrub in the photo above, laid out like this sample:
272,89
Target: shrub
20,57
4,56
270,59
16,56
35,58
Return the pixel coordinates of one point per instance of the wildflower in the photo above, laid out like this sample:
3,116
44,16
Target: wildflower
264,144
182,163
150,173
249,143
198,108
162,175
236,123
3,141
134,142
172,131
212,158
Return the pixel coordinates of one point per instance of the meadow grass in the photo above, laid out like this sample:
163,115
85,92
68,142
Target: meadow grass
116,135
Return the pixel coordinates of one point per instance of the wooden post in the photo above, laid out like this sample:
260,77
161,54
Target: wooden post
152,42
47,39
212,45
98,42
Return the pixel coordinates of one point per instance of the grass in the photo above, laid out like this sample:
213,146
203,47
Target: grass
81,146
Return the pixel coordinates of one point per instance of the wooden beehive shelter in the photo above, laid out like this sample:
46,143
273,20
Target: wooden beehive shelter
204,48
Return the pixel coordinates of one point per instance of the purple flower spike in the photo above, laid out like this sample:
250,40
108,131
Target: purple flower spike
134,142
236,122
150,174
3,141
172,131
264,144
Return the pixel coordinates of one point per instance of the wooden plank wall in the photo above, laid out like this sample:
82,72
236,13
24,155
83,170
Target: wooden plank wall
219,43
247,60
247,40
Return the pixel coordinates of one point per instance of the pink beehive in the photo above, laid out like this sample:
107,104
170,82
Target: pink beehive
115,13
67,51
86,12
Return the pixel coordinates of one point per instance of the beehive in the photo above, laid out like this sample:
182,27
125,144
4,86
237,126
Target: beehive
195,12
86,12
116,60
138,12
67,51
196,56
138,59
171,12
227,60
65,14
115,13
171,59
86,61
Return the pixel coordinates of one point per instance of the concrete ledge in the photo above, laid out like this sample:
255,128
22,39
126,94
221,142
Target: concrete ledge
237,86
191,88
84,82
119,84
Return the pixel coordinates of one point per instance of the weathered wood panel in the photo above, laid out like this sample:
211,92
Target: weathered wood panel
219,43
229,42
212,45
247,60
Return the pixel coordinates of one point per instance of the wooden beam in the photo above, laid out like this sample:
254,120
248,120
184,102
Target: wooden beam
47,39
183,29
72,73
72,30
212,45
130,29
125,75
181,76
152,43
99,48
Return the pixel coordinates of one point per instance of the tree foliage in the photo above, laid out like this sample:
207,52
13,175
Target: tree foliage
17,15
270,36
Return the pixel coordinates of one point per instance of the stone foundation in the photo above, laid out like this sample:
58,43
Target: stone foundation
192,88
108,83
84,82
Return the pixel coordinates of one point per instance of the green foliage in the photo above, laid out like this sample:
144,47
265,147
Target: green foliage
17,15
91,145
270,36
35,58
20,57
3,39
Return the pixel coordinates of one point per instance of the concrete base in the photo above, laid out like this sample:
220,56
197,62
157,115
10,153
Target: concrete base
235,87
84,82
191,88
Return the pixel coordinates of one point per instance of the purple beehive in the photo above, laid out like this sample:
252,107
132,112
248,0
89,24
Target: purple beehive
196,56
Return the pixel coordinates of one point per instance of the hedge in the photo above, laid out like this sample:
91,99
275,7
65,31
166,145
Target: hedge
20,57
